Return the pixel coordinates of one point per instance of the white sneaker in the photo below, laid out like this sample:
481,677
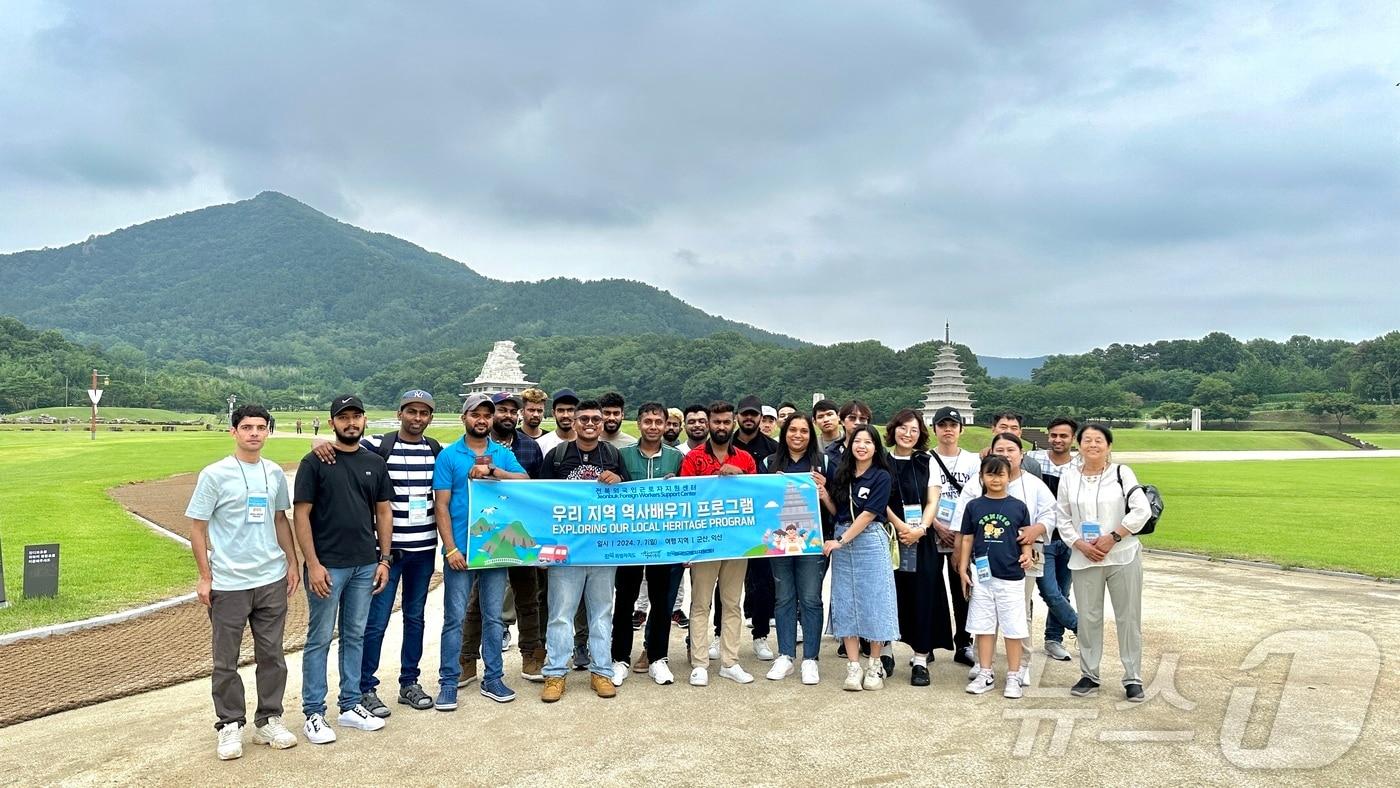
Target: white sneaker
317,731
230,742
810,675
359,718
854,677
973,672
1024,674
275,734
984,682
699,678
660,672
874,675
1056,650
714,649
736,673
782,668
1013,686
620,671
761,649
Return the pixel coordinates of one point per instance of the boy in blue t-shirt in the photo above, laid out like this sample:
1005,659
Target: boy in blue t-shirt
993,565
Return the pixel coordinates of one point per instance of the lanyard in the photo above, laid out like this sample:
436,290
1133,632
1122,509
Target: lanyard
1098,487
266,485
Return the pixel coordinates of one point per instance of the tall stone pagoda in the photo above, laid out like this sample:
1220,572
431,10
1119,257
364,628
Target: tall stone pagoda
946,385
501,372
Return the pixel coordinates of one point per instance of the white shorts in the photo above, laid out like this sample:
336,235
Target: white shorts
998,603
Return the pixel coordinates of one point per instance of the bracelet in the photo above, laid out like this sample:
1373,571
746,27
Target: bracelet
450,553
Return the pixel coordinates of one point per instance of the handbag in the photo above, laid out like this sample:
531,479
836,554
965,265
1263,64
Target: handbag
890,541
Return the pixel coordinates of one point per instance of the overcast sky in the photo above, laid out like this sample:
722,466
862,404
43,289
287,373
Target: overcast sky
1053,176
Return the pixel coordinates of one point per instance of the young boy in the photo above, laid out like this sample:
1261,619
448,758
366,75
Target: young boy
996,575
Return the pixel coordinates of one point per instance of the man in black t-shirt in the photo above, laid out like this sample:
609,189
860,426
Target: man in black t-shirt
760,597
343,526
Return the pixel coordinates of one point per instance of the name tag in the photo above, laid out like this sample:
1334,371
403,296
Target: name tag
984,568
418,510
913,514
257,509
1090,531
946,506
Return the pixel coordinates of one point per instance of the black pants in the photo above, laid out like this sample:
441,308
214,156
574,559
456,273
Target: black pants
662,582
955,593
759,596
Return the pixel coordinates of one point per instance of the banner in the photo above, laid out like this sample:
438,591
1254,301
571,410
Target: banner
660,521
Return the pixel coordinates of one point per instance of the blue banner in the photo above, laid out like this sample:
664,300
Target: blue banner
661,521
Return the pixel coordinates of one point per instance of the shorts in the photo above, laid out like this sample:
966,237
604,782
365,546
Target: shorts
998,603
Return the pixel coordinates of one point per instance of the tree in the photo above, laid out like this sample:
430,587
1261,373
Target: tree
1336,405
1172,412
1378,365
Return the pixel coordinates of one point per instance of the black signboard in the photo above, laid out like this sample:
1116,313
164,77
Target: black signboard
40,570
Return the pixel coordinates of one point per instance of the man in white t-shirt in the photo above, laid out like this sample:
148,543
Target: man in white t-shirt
950,469
565,400
1054,584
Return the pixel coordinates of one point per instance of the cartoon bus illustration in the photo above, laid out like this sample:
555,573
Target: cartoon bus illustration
554,554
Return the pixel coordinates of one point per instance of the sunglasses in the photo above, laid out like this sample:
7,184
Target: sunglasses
589,419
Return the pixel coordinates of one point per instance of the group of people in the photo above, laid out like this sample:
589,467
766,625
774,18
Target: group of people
934,546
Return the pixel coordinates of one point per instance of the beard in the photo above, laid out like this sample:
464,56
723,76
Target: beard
611,427
720,436
473,431
503,429
351,434
671,435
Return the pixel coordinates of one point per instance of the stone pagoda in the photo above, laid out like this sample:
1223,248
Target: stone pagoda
946,385
501,372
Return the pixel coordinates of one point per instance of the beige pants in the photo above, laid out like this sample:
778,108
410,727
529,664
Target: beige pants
703,576
1124,584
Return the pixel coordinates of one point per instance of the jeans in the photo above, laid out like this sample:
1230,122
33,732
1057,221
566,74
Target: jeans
1054,589
456,588
797,586
414,569
568,585
352,588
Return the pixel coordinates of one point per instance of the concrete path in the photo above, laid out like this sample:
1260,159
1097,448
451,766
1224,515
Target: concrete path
1258,676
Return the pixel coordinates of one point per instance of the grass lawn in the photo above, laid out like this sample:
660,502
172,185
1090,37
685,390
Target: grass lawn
1385,440
1326,514
83,413
1170,440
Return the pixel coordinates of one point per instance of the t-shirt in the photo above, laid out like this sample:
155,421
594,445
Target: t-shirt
759,448
823,443
1040,505
410,468
994,524
242,555
453,466
568,461
702,462
1050,472
639,466
548,441
869,492
621,440
343,498
963,468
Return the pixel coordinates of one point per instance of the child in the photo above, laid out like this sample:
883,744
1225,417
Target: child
995,575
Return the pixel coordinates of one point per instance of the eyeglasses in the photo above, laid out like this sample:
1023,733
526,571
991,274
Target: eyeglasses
589,419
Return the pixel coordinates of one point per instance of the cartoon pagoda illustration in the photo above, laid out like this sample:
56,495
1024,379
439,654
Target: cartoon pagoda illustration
501,372
946,385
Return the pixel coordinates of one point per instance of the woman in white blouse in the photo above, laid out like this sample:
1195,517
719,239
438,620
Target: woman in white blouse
1098,518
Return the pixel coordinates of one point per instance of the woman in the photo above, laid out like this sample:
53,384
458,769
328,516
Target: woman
797,579
1099,519
862,585
924,620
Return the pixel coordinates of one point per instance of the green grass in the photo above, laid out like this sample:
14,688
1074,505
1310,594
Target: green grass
1385,440
84,412
1324,514
1222,440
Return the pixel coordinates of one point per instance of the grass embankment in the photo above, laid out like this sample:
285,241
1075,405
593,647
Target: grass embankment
1385,440
84,412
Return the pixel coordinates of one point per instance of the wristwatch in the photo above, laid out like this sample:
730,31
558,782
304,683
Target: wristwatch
1116,537
387,558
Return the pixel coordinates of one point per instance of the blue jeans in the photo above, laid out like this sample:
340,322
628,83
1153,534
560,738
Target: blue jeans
567,586
352,588
456,590
415,569
1054,588
797,588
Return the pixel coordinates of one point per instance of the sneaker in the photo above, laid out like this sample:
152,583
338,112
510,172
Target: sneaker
874,678
841,649
1054,649
620,671
581,657
1013,687
680,619
602,685
918,676
496,690
639,617
864,647
275,734
1084,687
641,664
1024,674
736,673
714,649
782,668
700,677
370,700
854,677
984,682
446,698
973,672
553,689
810,674
660,672
761,649
505,641
360,719
532,665
964,656
1134,692
468,674
413,695
887,663
317,731
230,742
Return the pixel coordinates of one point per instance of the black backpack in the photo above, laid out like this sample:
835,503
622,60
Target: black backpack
388,439
1154,503
607,456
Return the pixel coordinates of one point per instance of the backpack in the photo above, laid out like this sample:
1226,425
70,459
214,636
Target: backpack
1154,503
608,456
388,439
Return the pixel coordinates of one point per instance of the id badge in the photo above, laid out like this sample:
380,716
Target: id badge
946,506
1089,531
418,510
984,568
913,514
257,509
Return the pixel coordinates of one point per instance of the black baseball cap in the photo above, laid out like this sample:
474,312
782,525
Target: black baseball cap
346,402
750,403
948,413
565,396
506,396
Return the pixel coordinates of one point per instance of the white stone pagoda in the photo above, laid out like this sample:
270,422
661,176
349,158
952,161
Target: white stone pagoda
501,372
946,385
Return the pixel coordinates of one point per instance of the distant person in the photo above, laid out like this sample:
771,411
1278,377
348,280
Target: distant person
1055,583
247,564
951,469
1010,421
344,527
785,410
1098,517
298,426
768,421
562,410
316,426
827,416
758,577
271,424
675,425
532,413
613,404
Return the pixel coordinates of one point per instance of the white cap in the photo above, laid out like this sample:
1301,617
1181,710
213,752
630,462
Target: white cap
769,410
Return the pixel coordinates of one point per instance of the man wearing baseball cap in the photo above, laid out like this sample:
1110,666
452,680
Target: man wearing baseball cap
760,597
950,468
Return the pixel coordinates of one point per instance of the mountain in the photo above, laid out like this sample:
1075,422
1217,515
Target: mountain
270,282
1018,368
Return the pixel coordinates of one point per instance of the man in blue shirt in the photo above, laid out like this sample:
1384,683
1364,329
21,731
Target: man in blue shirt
474,456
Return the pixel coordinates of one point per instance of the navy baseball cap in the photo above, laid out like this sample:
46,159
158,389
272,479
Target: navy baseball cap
565,396
506,396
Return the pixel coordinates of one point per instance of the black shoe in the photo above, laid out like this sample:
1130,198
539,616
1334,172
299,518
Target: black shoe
581,657
1086,686
680,619
639,617
864,647
841,650
887,662
963,656
918,676
1134,692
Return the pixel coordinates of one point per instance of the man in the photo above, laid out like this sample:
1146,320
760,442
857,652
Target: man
718,457
522,602
344,528
584,457
565,401
950,469
532,413
697,428
1010,421
768,421
613,404
298,426
828,420
315,426
675,423
750,436
238,513
473,456
1054,583
651,458
760,597
852,414
785,411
